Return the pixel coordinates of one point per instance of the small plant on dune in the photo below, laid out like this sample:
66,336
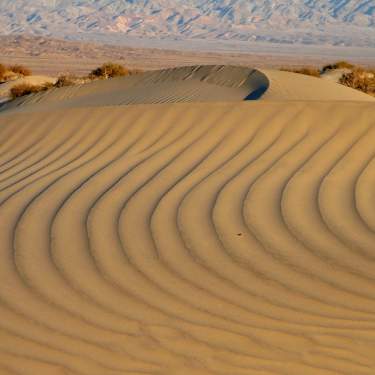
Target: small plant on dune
306,71
309,72
26,89
109,70
65,80
2,71
361,80
338,65
20,69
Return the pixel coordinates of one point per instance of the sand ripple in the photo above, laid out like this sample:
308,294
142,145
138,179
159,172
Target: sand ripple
188,239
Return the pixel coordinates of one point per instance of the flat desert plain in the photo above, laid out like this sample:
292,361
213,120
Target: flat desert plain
161,224
48,56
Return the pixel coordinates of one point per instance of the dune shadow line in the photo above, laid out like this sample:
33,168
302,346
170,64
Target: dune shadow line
259,83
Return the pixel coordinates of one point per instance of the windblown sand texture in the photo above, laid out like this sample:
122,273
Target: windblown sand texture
229,238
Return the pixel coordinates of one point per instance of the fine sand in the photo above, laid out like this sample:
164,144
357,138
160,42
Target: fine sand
209,236
191,84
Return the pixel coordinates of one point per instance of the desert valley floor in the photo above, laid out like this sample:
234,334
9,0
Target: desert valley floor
160,224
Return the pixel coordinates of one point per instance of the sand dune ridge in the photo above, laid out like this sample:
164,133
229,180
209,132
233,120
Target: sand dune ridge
211,83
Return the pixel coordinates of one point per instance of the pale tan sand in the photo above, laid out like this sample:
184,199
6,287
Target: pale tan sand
191,238
293,86
213,83
187,84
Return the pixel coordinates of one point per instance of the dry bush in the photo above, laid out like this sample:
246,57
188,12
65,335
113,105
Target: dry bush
25,89
20,69
306,71
109,70
339,65
309,72
2,71
66,80
361,80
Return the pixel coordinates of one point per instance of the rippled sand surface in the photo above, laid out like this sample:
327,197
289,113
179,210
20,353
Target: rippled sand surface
189,238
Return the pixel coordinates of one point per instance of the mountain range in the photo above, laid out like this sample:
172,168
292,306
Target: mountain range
328,22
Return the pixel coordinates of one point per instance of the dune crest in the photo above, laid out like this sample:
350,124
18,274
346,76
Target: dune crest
211,83
190,238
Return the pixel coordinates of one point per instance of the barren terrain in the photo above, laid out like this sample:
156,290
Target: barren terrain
161,224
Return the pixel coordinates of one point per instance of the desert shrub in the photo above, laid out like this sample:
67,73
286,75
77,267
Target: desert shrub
306,71
25,89
2,71
65,80
360,80
339,65
20,69
109,70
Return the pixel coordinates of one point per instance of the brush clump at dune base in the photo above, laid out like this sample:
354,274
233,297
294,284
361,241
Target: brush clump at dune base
109,70
23,89
341,72
20,82
199,220
12,72
345,73
26,88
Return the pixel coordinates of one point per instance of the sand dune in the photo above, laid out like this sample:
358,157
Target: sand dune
188,238
187,84
191,84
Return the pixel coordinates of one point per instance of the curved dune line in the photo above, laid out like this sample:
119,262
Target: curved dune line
340,249
112,201
191,238
83,356
196,228
41,158
211,194
16,140
213,83
58,162
263,198
353,232
32,232
364,195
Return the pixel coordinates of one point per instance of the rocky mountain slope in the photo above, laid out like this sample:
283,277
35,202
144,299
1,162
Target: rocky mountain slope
338,22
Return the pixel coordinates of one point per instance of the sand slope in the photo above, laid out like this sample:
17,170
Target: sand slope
212,83
192,238
293,86
187,84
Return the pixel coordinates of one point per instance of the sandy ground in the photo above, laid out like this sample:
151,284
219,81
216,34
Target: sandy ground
231,237
48,56
211,83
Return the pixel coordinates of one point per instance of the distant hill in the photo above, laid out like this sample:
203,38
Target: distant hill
332,22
